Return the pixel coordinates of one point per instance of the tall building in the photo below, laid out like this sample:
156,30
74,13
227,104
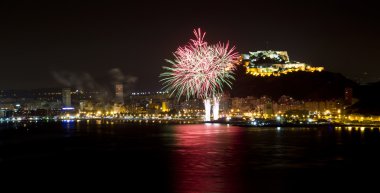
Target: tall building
119,93
348,96
165,107
66,97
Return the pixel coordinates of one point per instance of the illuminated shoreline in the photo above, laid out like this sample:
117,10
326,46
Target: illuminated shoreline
244,123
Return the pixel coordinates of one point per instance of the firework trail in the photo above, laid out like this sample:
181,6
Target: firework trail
200,70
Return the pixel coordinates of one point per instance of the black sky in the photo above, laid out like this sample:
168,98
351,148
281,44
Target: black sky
38,38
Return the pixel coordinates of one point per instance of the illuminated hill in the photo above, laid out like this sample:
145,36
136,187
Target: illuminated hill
301,85
273,63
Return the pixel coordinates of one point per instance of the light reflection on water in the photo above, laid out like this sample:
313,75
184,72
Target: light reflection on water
204,156
198,157
217,158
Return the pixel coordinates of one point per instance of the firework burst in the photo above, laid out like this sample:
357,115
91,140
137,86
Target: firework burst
200,70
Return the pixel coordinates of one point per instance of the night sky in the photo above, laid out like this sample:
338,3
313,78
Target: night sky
55,44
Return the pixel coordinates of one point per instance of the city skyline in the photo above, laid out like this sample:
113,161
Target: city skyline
263,96
41,40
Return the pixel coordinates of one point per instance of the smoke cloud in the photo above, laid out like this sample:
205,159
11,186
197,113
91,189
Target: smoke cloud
75,80
116,75
85,80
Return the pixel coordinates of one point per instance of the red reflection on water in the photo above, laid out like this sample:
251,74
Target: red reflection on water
207,158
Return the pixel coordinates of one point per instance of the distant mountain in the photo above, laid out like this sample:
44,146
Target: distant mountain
299,85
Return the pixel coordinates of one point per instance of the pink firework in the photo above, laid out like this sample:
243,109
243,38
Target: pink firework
200,70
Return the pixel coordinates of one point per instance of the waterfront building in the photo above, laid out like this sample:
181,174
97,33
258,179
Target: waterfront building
66,97
348,96
149,102
119,93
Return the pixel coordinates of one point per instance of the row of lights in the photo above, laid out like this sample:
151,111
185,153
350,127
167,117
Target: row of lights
144,93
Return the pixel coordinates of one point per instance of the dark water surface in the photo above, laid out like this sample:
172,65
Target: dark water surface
115,156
